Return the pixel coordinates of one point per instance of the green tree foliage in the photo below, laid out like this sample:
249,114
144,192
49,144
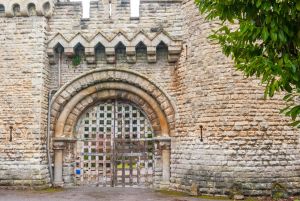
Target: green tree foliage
263,38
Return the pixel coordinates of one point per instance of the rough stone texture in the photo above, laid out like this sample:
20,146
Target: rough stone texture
23,102
155,17
245,139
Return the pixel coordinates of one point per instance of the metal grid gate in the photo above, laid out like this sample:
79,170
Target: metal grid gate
115,146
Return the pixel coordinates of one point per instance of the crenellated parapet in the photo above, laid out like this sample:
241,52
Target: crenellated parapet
110,44
26,8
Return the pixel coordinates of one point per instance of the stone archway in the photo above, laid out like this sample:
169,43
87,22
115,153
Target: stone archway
98,85
115,146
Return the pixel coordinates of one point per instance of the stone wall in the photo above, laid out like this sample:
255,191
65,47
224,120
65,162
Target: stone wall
245,139
23,102
156,16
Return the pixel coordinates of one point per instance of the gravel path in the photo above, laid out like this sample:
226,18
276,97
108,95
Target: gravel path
91,194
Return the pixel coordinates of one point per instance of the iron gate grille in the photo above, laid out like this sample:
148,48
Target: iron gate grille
115,146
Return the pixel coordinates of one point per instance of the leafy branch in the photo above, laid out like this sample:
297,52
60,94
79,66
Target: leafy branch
263,38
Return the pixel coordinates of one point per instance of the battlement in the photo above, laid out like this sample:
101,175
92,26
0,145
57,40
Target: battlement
26,8
113,9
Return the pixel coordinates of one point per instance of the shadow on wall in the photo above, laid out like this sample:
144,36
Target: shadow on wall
209,182
228,183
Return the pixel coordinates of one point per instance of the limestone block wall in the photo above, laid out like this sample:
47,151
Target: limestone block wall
155,17
23,102
245,139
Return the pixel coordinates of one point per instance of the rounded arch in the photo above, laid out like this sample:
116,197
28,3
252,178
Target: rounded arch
31,8
118,94
16,9
82,92
2,8
120,100
46,8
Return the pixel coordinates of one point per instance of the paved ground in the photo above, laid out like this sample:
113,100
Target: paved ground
91,194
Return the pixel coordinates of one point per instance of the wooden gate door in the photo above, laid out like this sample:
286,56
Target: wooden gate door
115,146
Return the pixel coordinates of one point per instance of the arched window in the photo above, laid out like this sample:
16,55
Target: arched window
100,53
59,48
78,56
46,7
162,51
2,9
16,9
79,50
134,8
120,53
31,9
141,52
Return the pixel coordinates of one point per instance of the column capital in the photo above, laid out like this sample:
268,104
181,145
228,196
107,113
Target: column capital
58,145
61,143
164,142
165,145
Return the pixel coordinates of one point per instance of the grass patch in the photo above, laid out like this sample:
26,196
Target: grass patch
173,193
210,197
251,199
50,190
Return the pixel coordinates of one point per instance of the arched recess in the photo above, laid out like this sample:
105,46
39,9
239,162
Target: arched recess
86,90
2,9
117,91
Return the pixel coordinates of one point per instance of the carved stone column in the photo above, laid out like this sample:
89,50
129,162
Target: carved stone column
166,153
58,163
165,147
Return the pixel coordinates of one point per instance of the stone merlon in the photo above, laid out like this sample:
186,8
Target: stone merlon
26,8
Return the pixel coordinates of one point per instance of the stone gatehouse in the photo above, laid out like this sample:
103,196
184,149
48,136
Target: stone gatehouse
122,100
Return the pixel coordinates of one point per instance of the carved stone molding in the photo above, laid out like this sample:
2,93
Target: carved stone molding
164,142
174,46
59,145
80,93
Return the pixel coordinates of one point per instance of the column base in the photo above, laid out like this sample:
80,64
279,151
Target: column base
164,185
58,184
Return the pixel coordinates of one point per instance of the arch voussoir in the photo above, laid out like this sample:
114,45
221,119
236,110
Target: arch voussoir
113,91
103,95
92,89
84,91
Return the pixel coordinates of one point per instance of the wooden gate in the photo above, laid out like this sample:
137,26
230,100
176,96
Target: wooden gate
115,146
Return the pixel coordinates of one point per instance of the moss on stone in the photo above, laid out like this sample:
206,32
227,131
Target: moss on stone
50,190
210,197
173,193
